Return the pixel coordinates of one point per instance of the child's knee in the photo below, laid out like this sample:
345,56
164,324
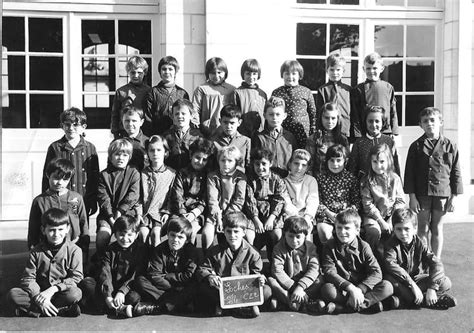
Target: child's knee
444,285
329,292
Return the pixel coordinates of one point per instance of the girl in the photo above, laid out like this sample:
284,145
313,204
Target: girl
156,180
382,192
210,97
327,134
299,102
338,190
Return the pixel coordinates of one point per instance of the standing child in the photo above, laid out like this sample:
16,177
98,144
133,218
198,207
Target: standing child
132,119
299,102
328,133
432,178
225,192
159,100
48,285
210,97
250,98
131,94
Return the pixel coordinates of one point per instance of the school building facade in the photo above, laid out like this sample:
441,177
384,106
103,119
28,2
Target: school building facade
57,54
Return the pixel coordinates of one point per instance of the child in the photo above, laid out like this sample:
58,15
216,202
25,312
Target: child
228,135
295,276
406,257
132,119
250,98
353,275
235,257
264,201
81,153
169,282
156,181
432,178
382,192
338,190
119,191
181,135
336,92
327,134
210,97
303,199
131,94
359,159
59,173
48,285
299,102
274,137
158,103
188,194
225,192
374,91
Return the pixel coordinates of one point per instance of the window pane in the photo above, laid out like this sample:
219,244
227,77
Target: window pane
100,32
422,3
13,33
311,39
98,116
389,40
344,38
390,2
314,73
98,74
420,75
46,73
46,35
45,110
13,110
136,34
398,104
420,47
350,73
13,72
393,74
414,105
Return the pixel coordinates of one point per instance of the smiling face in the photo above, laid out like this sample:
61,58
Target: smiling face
298,167
55,235
291,79
379,163
156,154
125,238
176,240
431,125
374,123
181,117
57,183
294,240
168,74
262,167
329,119
251,78
199,160
346,233
275,117
73,130
336,164
136,75
230,125
216,76
404,232
132,123
373,71
335,73
234,237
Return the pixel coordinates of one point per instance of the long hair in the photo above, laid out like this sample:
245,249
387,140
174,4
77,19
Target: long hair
378,150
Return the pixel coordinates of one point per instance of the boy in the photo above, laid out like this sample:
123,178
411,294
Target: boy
169,280
81,153
295,276
250,98
432,178
132,119
235,257
336,92
374,91
405,258
131,94
353,275
48,285
274,137
181,135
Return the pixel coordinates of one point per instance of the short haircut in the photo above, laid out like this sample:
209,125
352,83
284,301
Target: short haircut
235,220
349,216
180,224
258,154
300,154
120,145
74,115
336,150
136,62
126,223
374,109
373,58
275,102
231,111
54,217
430,111
335,59
380,149
296,225
404,215
250,65
157,138
202,145
130,109
168,60
64,168
182,103
230,151
292,66
214,64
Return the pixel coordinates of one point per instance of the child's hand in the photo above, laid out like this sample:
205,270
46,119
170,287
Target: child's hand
261,280
431,298
299,295
109,301
330,215
215,281
450,204
418,294
189,216
270,224
219,227
414,204
48,309
259,228
385,226
164,218
46,295
119,299
117,215
356,297
111,221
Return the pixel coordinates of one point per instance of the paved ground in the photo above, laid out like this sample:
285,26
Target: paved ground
458,258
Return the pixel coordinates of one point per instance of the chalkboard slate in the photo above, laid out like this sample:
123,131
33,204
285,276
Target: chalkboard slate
240,291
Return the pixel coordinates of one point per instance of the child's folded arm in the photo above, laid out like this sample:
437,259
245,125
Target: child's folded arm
28,279
329,269
312,270
183,275
393,268
278,269
74,273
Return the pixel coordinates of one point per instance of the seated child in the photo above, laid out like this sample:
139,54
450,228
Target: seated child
353,275
156,181
295,276
274,137
406,257
225,192
181,135
235,257
188,193
132,119
48,285
168,282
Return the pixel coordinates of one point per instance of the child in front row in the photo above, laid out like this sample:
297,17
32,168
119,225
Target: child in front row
48,285
406,258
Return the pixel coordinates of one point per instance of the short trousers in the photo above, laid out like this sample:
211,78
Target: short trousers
429,202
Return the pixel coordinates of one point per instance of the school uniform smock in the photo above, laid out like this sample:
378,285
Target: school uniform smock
188,193
303,195
238,140
179,142
251,100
